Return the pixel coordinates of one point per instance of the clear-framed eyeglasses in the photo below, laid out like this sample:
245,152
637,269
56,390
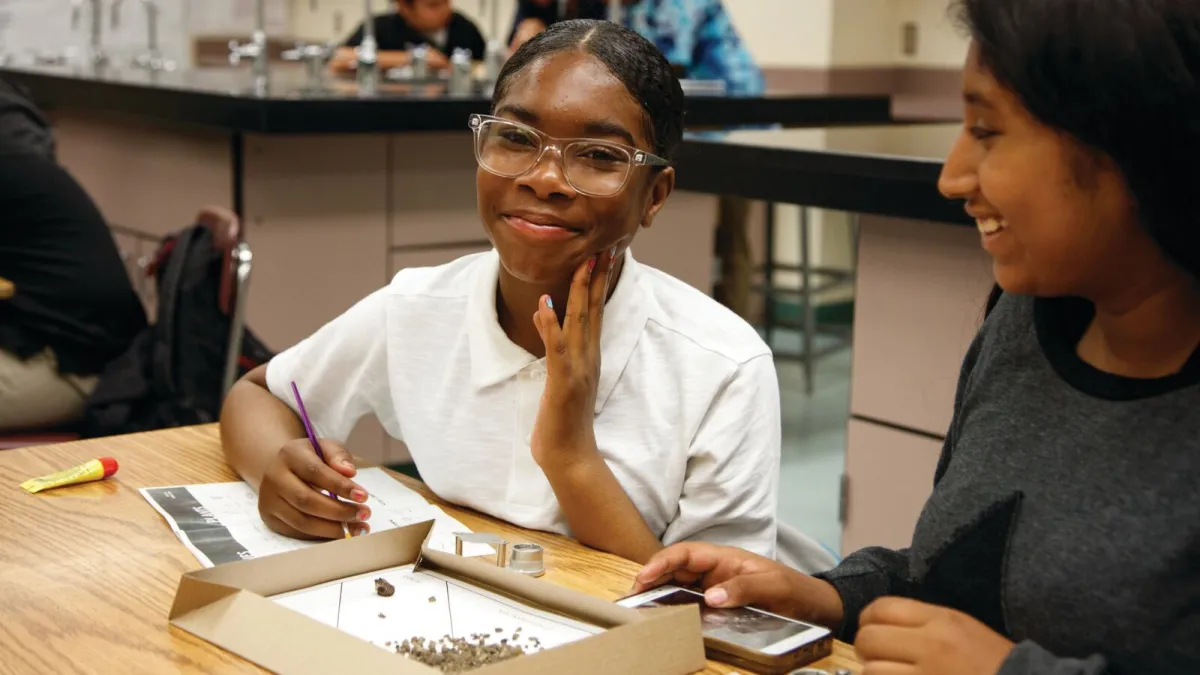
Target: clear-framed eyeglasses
592,167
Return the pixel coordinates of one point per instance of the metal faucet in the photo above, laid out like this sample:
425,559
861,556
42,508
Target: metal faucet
152,59
368,54
97,56
497,50
257,47
314,57
460,72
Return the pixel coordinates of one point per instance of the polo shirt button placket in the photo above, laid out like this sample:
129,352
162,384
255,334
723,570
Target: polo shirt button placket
528,486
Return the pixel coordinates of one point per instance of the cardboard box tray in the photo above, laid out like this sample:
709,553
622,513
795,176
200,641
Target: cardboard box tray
230,606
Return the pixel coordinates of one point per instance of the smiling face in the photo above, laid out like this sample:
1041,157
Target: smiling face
541,226
1056,218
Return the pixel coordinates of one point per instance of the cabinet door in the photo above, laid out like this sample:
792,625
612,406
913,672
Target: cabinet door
316,216
920,296
889,478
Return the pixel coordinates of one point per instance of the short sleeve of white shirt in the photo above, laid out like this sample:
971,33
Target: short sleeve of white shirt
341,371
730,493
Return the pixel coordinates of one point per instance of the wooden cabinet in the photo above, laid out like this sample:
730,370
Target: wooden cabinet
890,475
920,298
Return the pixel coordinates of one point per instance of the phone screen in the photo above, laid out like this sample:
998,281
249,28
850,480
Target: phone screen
742,626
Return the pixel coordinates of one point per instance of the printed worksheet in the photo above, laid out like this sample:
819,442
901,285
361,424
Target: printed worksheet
219,522
432,606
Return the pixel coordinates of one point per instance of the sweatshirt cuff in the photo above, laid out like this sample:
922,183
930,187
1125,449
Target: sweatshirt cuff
858,583
1030,658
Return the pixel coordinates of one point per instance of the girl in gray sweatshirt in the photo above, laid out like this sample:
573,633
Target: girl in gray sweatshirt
1062,536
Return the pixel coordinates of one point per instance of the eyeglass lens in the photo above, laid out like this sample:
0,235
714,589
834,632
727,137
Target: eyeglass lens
594,167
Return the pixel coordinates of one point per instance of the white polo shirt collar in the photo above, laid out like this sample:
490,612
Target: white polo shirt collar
495,358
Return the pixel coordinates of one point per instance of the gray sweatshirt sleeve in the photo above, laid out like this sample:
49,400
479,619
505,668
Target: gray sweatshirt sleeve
1176,651
864,576
1029,658
872,573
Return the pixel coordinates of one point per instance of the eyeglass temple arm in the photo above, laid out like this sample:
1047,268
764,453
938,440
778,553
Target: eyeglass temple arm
651,160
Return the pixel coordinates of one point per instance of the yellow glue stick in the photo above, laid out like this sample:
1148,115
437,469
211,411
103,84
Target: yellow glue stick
96,469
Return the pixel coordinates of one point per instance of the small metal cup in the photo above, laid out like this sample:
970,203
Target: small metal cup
528,559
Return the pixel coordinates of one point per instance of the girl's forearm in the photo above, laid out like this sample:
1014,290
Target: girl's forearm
255,425
597,509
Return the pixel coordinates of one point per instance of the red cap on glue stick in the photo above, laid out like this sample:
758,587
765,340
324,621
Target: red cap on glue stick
109,464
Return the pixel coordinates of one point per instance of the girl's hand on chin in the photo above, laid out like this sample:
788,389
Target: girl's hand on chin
563,434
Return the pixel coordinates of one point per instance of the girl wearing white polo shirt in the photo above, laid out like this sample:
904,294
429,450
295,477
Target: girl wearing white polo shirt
655,423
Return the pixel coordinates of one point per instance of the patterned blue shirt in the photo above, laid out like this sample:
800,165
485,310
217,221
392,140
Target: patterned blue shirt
696,35
699,36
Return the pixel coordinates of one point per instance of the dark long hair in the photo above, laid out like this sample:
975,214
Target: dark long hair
633,59
1120,77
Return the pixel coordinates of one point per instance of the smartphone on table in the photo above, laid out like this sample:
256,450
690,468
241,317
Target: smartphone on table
746,637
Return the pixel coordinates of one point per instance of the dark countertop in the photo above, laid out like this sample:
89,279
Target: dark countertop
885,170
228,99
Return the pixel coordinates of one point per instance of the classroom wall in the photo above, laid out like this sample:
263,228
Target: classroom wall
788,33
941,43
864,34
846,33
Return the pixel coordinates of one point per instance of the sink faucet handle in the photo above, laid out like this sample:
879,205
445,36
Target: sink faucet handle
115,18
237,52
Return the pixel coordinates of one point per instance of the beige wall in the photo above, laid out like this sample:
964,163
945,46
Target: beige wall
847,33
786,32
941,44
865,33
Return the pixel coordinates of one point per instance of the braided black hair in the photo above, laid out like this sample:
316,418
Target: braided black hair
633,59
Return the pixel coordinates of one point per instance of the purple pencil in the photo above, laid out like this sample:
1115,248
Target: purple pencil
312,438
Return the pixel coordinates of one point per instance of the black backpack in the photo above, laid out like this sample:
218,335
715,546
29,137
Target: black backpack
172,373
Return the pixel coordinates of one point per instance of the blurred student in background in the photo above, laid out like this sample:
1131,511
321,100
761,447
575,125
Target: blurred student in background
701,42
415,22
67,306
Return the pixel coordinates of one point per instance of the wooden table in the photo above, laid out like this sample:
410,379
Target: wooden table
88,572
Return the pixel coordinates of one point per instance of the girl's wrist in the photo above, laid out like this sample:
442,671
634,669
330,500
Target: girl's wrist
569,458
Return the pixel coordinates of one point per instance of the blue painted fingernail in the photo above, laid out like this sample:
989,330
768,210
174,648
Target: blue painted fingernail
549,302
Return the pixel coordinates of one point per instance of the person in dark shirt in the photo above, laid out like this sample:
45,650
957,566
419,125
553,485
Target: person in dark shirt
67,306
1062,534
21,123
415,22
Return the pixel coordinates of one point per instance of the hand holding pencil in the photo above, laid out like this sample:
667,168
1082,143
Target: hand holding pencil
307,491
316,445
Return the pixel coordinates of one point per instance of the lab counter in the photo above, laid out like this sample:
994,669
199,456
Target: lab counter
289,102
882,170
